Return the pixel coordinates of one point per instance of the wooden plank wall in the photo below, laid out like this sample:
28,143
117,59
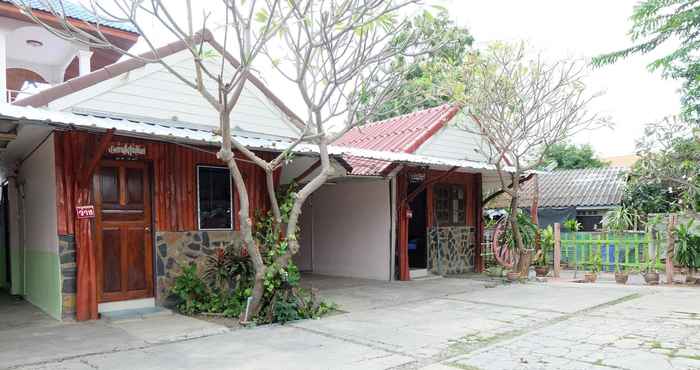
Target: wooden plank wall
174,183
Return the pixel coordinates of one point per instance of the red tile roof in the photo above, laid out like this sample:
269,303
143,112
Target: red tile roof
403,134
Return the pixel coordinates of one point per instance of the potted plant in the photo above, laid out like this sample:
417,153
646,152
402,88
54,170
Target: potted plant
592,276
547,243
651,275
513,276
621,274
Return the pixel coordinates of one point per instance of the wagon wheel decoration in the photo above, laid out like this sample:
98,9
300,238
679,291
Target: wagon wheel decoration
501,252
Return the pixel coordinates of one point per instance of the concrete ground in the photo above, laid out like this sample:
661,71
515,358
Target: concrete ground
426,324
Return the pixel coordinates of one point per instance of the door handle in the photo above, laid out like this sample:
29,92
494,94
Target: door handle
147,228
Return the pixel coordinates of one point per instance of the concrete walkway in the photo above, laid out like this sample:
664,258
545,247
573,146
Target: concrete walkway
29,336
435,324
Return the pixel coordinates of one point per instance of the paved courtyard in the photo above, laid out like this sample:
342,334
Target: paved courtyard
427,324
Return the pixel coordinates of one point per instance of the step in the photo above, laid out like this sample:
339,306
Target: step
135,314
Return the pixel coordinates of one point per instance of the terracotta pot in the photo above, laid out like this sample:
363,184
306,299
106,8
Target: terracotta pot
513,276
621,277
541,271
590,277
652,278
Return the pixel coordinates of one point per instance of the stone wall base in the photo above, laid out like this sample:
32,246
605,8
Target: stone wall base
451,250
176,249
66,252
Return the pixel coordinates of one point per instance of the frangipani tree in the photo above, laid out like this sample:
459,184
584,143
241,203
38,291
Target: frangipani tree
522,104
332,51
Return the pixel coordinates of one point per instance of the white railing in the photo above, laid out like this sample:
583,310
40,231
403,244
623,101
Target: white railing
12,95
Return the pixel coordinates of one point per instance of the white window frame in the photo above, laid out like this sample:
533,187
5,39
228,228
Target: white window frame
199,219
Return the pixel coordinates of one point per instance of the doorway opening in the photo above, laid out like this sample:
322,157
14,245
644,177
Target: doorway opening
417,233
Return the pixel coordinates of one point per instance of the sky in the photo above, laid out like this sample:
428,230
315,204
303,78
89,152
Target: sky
632,95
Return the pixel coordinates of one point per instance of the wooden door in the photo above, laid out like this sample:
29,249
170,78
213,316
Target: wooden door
123,231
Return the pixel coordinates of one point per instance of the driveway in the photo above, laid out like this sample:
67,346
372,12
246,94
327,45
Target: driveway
440,324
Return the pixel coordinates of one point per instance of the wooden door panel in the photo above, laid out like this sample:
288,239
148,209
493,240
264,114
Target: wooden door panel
123,235
111,260
109,185
134,186
136,259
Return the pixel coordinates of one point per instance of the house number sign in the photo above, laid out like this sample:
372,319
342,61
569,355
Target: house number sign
83,212
126,150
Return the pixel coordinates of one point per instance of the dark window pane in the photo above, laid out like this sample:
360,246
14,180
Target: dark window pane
214,198
450,207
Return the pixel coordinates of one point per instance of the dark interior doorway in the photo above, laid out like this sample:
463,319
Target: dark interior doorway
417,233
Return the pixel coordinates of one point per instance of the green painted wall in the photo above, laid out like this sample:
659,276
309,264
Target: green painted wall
42,285
16,256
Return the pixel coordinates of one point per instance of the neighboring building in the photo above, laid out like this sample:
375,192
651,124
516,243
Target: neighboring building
389,220
32,57
625,161
584,194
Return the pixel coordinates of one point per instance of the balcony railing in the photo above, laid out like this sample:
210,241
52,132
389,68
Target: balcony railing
13,95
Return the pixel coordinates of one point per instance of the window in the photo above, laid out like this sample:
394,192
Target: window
214,194
450,205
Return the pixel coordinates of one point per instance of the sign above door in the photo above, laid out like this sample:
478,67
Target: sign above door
126,150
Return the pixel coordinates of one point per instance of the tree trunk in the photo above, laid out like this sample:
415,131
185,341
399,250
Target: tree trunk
524,256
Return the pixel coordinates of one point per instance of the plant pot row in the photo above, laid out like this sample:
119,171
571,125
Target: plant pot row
651,278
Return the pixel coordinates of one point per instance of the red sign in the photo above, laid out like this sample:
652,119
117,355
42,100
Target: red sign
85,212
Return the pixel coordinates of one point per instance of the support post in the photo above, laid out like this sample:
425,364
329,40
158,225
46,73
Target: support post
84,64
670,248
557,250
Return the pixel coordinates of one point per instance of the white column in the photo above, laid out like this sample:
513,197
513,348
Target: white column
3,66
84,66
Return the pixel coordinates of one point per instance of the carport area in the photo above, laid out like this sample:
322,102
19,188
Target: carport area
341,236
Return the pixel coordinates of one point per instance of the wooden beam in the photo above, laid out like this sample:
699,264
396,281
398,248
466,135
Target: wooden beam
85,170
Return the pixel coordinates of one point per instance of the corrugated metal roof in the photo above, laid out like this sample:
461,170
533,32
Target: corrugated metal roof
75,11
402,134
591,187
171,131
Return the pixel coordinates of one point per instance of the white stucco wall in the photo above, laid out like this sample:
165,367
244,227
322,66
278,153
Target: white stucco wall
38,177
304,258
39,227
351,230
